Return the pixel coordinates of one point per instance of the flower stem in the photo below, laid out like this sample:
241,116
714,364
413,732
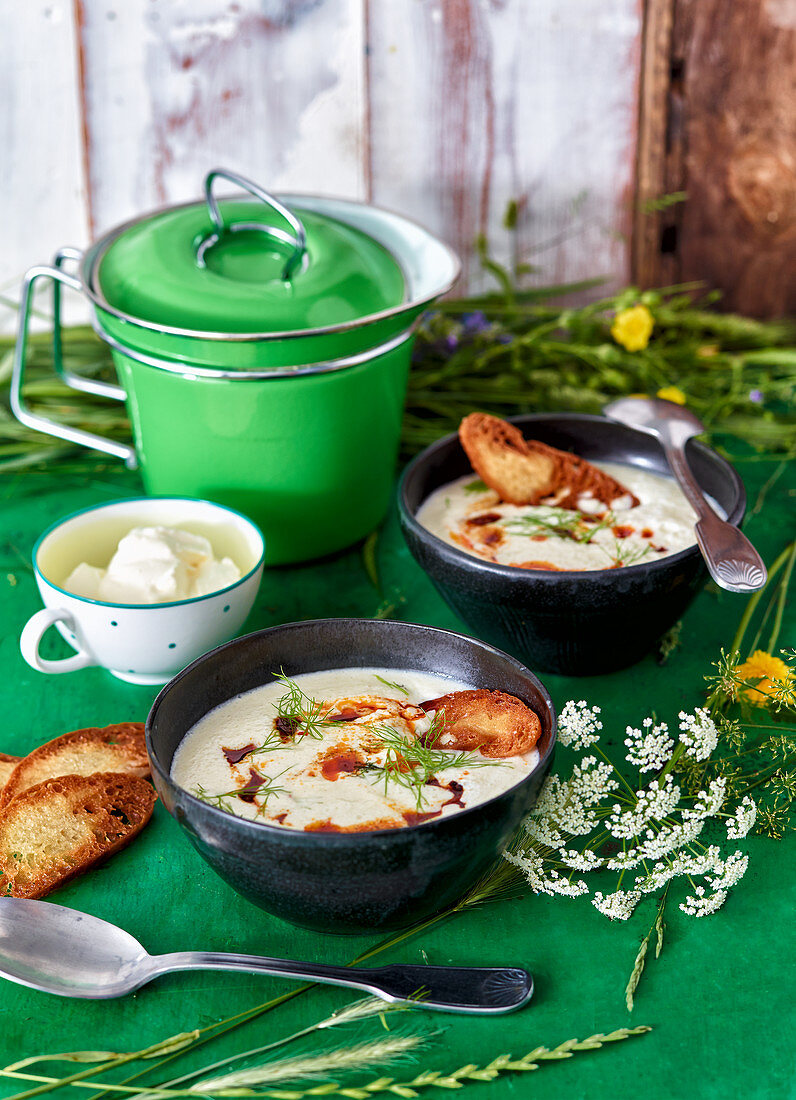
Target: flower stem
749,611
783,594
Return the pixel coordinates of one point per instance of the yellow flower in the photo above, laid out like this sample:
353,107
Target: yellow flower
774,680
672,393
632,328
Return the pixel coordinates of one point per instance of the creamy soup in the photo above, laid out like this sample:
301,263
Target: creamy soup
469,515
338,751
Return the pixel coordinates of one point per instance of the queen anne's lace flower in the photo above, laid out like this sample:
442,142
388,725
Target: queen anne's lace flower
742,820
653,803
659,835
700,904
708,803
542,881
578,725
586,860
617,906
698,733
700,863
730,872
569,807
648,749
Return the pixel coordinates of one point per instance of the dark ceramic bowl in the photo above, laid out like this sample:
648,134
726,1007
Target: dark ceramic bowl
576,623
345,882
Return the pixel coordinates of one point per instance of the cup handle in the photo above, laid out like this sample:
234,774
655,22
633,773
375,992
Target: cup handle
32,634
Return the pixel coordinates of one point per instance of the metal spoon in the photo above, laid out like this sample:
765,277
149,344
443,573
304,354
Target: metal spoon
60,950
731,559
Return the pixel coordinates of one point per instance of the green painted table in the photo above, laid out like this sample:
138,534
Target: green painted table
719,998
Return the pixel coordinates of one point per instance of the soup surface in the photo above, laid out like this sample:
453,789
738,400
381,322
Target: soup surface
469,515
338,751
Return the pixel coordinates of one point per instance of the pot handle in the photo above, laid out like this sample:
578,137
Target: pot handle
34,420
298,240
75,381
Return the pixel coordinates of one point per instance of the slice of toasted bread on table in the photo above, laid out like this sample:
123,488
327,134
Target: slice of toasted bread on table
525,471
496,723
118,748
61,827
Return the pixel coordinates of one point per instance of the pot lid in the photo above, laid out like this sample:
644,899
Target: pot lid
239,266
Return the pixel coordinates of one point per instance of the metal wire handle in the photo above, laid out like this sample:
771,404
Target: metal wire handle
18,406
298,240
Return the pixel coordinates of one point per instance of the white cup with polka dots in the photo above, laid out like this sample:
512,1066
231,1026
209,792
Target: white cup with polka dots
140,643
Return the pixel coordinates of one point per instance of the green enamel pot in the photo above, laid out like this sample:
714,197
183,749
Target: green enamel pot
262,347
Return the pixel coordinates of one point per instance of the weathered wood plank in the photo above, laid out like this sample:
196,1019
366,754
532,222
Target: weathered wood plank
41,176
473,106
274,91
654,115
739,223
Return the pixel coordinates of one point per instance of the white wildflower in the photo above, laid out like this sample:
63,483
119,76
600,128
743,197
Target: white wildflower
625,861
569,807
617,906
648,749
669,838
742,820
578,725
542,881
700,904
698,733
731,872
683,863
587,860
542,831
708,803
653,803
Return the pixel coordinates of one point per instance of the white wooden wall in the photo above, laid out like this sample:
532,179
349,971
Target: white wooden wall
444,110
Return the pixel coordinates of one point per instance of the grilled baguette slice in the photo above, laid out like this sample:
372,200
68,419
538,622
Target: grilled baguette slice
525,471
7,765
117,748
61,827
498,724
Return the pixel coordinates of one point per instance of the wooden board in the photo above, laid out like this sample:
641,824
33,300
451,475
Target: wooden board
445,110
171,90
727,95
473,106
41,167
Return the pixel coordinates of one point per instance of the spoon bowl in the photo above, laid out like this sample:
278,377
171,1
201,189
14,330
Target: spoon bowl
732,561
59,950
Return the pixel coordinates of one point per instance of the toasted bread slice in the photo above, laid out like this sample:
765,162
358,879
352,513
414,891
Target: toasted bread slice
525,471
500,456
117,748
59,828
492,721
7,765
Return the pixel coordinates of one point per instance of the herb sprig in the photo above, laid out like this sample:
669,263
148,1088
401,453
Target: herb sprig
300,711
559,523
410,763
263,792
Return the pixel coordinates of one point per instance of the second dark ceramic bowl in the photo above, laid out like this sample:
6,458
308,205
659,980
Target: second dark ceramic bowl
575,623
345,882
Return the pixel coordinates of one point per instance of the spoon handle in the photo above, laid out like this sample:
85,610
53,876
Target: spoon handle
488,990
732,561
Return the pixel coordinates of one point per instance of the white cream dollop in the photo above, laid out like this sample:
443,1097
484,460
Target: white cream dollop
155,565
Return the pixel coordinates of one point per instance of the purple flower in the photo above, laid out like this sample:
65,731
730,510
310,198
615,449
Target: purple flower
451,341
756,396
475,322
